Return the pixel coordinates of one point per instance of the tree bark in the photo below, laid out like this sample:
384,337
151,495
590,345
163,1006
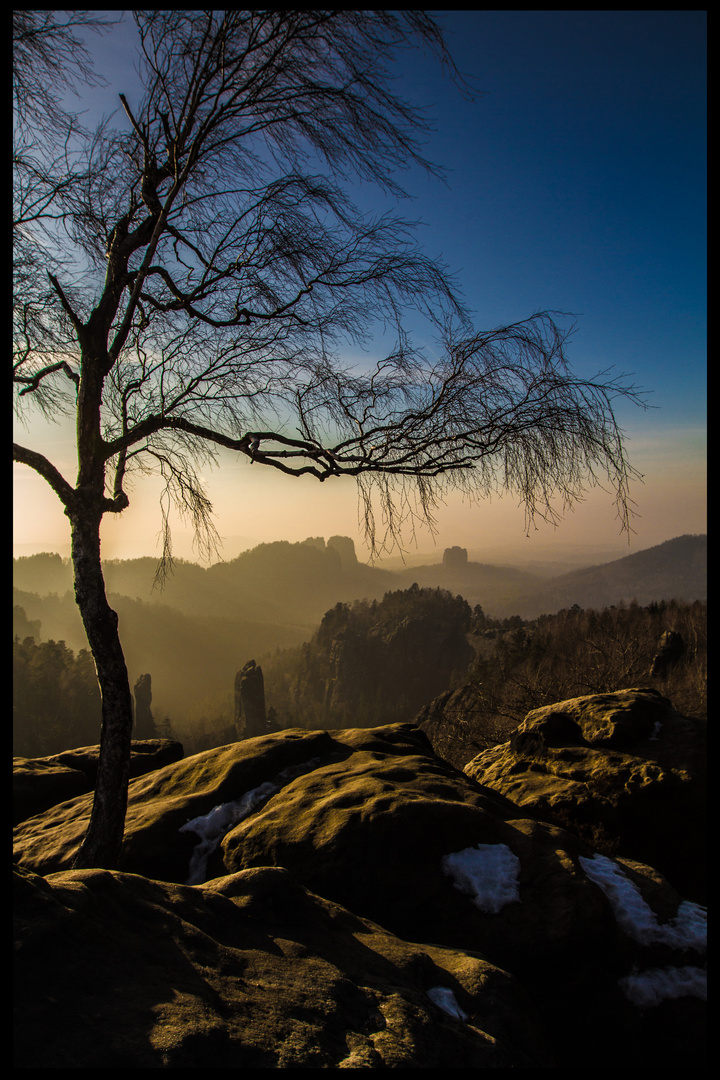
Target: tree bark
102,843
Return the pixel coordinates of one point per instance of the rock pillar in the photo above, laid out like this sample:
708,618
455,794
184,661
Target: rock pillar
144,723
250,718
455,558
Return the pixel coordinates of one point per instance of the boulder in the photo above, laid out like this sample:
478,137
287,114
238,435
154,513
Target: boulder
162,801
39,783
250,971
624,771
373,821
145,756
459,726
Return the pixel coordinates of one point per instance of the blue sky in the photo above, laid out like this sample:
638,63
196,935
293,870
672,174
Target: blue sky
576,181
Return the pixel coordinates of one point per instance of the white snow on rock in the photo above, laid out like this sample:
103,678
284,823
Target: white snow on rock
487,873
211,827
444,998
648,988
688,930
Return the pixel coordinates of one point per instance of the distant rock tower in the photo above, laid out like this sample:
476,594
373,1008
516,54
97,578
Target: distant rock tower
455,558
345,547
250,717
144,723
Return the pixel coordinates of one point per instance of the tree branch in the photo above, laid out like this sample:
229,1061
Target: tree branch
64,491
33,381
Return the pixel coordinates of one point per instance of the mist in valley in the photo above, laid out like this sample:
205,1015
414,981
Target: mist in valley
341,643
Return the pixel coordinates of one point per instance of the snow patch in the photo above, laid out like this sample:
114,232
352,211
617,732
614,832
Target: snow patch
648,988
688,930
211,827
488,873
444,998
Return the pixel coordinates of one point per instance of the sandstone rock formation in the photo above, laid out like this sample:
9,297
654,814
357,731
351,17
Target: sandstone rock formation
248,971
39,783
623,770
458,727
386,673
214,917
670,650
345,547
144,723
455,558
250,717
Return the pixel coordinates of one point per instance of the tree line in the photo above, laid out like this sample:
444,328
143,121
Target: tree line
56,698
523,665
519,665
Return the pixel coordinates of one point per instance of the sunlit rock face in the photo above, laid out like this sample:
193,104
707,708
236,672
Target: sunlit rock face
517,925
625,770
40,783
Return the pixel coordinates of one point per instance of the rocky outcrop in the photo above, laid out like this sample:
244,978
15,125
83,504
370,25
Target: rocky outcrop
670,651
345,548
623,770
248,971
144,722
459,725
455,559
385,673
517,925
39,783
250,717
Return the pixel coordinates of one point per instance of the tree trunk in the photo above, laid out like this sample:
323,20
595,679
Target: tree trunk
101,846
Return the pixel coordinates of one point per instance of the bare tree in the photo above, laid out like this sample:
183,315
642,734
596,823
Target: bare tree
190,279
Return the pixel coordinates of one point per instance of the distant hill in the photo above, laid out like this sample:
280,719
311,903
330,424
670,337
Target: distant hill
208,622
295,584
497,589
675,570
290,584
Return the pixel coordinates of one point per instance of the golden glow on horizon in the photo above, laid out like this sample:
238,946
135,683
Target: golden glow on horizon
256,505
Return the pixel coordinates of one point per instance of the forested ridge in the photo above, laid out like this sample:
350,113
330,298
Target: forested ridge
331,659
339,677
297,583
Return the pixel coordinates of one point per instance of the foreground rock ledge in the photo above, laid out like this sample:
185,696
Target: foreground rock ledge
625,771
249,971
601,954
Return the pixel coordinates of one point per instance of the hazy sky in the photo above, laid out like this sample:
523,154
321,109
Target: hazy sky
575,182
